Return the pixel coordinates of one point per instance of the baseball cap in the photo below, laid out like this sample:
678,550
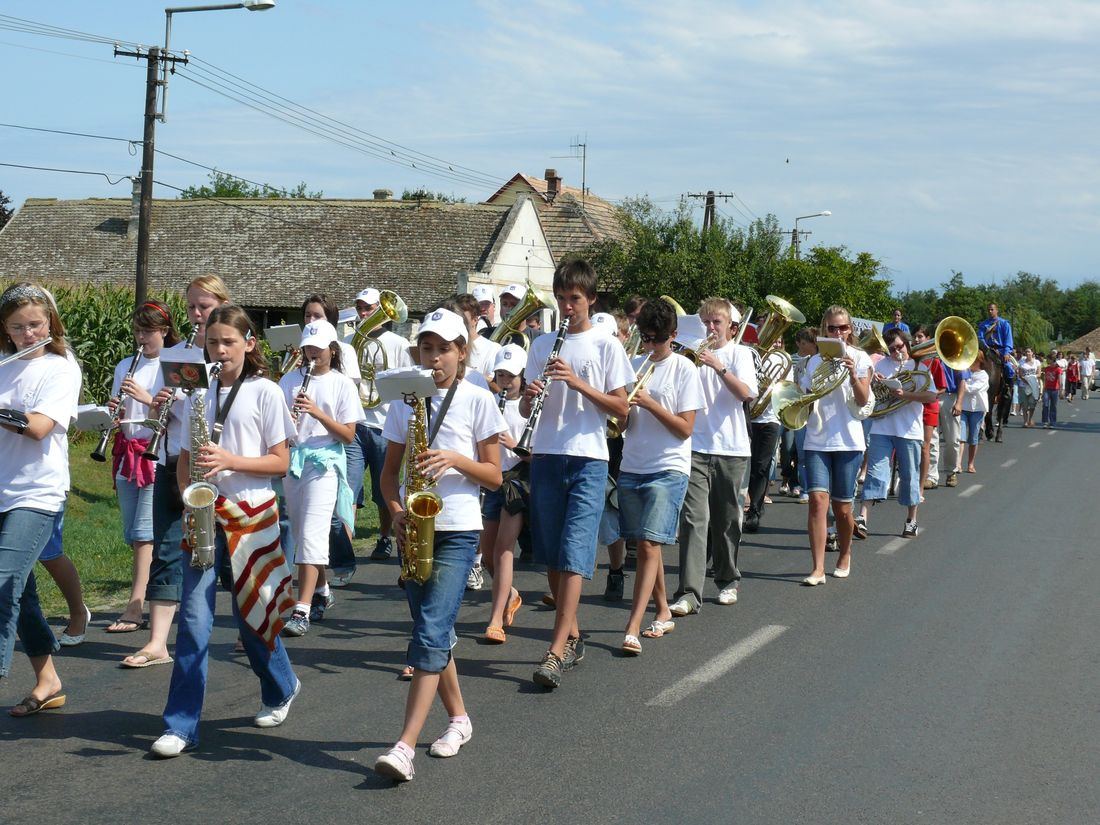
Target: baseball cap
517,291
605,322
483,293
370,295
511,358
444,323
318,334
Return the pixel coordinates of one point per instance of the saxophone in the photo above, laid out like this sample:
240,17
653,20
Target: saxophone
200,494
422,504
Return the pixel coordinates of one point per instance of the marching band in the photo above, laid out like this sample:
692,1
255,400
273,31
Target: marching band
511,435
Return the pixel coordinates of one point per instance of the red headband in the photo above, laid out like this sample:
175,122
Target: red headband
159,309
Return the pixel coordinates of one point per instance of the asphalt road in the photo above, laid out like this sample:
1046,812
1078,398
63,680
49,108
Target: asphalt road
954,678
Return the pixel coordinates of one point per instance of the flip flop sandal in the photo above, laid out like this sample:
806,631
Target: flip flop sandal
495,635
30,706
406,674
512,609
131,628
149,660
631,645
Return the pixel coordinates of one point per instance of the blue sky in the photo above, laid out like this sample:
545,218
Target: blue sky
942,135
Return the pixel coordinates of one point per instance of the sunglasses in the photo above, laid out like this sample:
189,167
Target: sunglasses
838,327
654,339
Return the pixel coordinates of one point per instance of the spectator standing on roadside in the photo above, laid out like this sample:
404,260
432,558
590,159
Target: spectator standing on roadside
897,323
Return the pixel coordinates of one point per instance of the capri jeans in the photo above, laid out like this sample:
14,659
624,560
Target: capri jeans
23,535
136,506
972,425
908,451
165,573
434,605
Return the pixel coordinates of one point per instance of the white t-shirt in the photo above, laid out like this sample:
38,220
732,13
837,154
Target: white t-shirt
976,397
515,423
570,423
907,422
349,362
471,418
482,355
146,375
832,427
720,427
1088,367
396,351
37,474
648,446
258,420
334,393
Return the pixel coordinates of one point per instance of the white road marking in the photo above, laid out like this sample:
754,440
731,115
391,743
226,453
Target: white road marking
1008,463
1034,444
892,546
718,666
969,491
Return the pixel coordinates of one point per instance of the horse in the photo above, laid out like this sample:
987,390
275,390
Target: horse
1000,394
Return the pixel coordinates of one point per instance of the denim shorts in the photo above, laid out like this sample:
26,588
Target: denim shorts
434,605
568,495
136,506
492,503
833,473
649,505
54,549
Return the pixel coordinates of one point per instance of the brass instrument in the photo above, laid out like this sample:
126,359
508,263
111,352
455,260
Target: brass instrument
794,408
641,378
633,343
872,343
200,495
422,504
370,352
955,342
512,326
295,411
674,304
774,363
885,400
523,446
743,325
160,426
289,360
100,452
709,343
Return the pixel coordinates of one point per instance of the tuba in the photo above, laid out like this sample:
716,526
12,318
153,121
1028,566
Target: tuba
200,495
369,351
422,504
871,342
774,364
512,326
955,342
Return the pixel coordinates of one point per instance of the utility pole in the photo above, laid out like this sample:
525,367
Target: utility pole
709,198
153,58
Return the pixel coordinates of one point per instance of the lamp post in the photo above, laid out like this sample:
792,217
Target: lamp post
251,5
795,237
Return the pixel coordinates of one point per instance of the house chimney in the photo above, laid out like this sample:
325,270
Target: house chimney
135,209
553,184
383,194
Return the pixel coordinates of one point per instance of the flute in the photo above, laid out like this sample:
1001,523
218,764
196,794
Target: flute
100,452
160,426
523,446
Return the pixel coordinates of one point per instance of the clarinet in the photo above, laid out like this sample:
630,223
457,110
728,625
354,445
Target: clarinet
100,452
295,412
160,427
502,399
523,446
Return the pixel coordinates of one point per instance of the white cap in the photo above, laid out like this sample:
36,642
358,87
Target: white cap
517,291
511,358
605,322
318,333
735,314
483,293
370,295
444,323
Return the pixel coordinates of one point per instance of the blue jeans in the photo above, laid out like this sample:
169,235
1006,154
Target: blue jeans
54,548
372,455
23,535
649,505
165,574
568,495
136,506
833,472
1050,406
878,469
800,446
196,619
972,424
434,605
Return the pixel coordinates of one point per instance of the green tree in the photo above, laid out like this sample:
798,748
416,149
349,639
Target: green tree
428,195
5,213
968,302
1029,327
223,185
829,275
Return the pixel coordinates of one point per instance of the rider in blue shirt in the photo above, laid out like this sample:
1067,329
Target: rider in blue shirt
996,333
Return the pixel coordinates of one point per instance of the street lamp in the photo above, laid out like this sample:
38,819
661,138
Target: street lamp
795,233
251,5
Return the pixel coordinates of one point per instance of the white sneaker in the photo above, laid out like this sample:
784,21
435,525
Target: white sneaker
728,595
396,765
454,737
272,717
476,579
682,607
169,745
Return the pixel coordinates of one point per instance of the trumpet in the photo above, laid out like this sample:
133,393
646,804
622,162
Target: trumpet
296,411
369,351
160,426
641,378
692,355
512,326
100,452
523,446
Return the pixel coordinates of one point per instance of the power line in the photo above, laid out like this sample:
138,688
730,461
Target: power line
131,141
68,171
19,24
67,54
265,186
